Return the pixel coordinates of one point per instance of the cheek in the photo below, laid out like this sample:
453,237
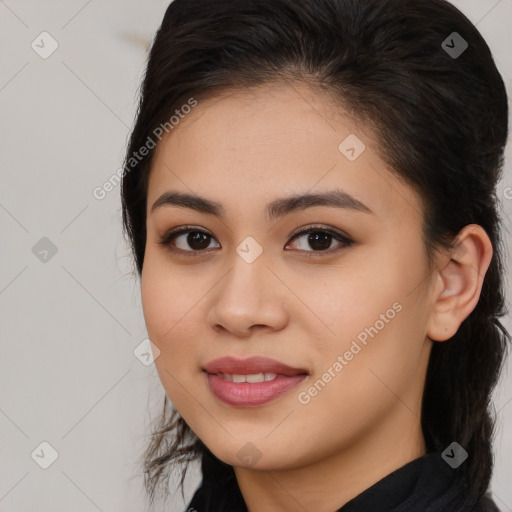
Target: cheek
358,383
172,323
164,293
172,310
376,317
353,298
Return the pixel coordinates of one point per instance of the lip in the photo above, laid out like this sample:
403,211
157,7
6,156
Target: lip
251,365
247,394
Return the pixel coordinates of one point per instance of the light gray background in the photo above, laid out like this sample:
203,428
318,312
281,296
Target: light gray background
69,326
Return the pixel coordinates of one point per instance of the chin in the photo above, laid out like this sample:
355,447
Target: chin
257,455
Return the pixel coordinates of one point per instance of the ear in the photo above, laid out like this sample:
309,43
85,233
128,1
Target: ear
458,282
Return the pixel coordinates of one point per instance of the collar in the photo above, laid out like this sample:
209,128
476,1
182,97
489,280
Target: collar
426,484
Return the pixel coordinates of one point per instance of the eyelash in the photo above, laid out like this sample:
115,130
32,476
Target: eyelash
171,235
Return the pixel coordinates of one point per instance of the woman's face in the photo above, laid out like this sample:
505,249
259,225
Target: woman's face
346,305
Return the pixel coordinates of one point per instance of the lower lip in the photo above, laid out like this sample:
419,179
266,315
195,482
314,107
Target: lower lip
246,394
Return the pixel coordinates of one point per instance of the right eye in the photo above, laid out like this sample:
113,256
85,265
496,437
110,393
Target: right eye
177,240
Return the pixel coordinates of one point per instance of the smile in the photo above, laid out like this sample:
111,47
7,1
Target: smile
251,378
252,390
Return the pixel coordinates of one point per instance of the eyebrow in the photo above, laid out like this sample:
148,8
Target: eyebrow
277,208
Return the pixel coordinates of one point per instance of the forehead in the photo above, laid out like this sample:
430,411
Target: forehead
267,115
249,146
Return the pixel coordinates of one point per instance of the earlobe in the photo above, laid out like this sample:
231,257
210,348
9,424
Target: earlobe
460,282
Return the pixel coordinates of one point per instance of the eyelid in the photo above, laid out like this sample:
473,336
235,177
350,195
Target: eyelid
320,227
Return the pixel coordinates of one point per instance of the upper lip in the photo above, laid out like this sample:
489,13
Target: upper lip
250,366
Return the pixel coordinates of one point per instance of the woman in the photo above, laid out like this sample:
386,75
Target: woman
309,193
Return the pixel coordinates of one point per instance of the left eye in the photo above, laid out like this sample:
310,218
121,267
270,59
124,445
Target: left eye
318,239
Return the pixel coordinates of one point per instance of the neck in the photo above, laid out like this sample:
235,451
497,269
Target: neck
329,483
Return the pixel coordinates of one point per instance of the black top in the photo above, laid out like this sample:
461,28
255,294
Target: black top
426,484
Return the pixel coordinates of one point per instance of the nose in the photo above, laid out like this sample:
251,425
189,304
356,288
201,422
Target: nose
247,299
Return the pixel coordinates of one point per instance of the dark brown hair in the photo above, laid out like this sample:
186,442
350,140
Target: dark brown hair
441,124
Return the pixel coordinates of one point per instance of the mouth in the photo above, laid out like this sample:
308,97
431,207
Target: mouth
252,378
230,366
251,382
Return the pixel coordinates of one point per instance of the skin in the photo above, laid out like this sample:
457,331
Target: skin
243,150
